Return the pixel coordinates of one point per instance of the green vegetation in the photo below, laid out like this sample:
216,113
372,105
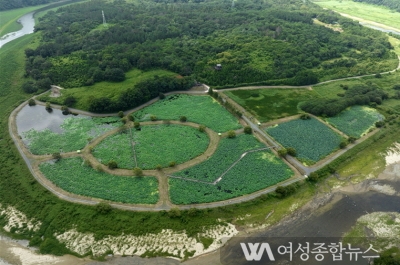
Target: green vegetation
366,11
392,4
199,109
77,131
311,139
356,120
153,145
75,177
111,90
271,104
256,171
272,42
228,152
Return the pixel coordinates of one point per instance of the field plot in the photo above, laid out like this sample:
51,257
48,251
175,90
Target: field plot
271,104
75,177
312,139
76,133
256,171
117,147
154,145
199,109
355,121
227,153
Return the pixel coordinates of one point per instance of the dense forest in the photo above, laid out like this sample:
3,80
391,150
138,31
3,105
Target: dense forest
269,42
11,4
392,4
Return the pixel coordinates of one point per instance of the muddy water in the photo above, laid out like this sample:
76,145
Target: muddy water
28,23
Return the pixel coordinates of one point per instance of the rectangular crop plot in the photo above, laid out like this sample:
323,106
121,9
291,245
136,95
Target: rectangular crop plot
254,172
70,174
76,133
312,139
271,104
355,121
198,109
227,153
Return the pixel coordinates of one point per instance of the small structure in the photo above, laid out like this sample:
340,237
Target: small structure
218,67
78,151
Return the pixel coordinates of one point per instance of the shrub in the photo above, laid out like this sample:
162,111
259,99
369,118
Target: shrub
56,156
351,139
378,75
158,167
379,124
202,128
231,134
136,125
120,114
183,118
161,96
396,87
112,164
174,213
284,191
137,172
48,106
172,163
305,116
291,151
153,117
313,177
282,152
69,101
248,130
343,144
131,117
31,102
103,208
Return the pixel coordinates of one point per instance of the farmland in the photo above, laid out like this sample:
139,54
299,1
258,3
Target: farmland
199,109
256,171
154,145
77,131
312,139
271,104
228,151
356,120
74,176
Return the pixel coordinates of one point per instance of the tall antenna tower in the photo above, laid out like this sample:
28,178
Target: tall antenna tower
104,19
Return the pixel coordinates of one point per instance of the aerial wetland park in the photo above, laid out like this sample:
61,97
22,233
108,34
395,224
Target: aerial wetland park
168,132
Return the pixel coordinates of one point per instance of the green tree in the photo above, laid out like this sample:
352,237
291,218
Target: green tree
29,87
343,144
136,125
172,163
313,177
112,164
56,156
231,134
69,101
282,152
396,87
291,151
103,208
31,102
202,128
137,172
153,117
48,106
174,213
248,130
161,95
183,118
351,139
120,114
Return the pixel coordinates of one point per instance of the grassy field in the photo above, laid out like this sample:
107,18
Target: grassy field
355,121
256,171
199,109
312,139
271,104
154,145
73,176
375,13
104,89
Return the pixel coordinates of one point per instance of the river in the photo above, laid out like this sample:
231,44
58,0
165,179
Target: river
28,23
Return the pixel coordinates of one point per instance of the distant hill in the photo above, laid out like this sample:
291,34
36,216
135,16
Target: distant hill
392,4
11,4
